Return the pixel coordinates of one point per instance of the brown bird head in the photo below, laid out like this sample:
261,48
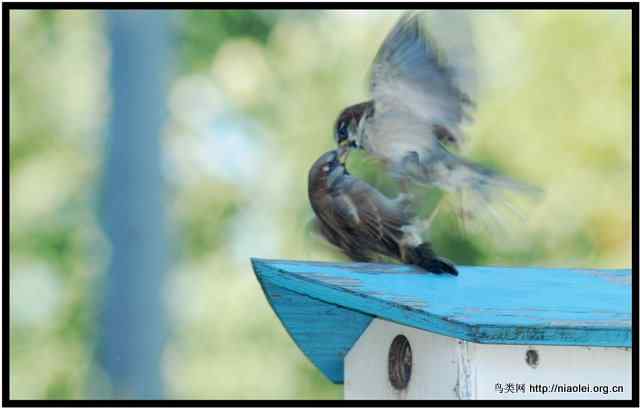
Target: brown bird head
346,126
327,170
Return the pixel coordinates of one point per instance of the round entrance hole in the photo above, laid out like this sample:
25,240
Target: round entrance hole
532,358
400,361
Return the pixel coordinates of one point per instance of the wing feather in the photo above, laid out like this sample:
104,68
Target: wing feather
415,89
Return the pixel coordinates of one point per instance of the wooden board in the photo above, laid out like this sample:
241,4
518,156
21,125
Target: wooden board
324,332
446,368
497,305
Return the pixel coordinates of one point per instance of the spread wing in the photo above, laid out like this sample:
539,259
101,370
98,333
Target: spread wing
420,91
421,84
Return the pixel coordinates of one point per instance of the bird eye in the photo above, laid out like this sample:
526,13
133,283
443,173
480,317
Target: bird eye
342,134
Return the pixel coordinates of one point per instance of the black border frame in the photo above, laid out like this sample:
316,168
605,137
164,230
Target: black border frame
7,6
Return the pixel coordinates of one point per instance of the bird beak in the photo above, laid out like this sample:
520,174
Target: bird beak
343,151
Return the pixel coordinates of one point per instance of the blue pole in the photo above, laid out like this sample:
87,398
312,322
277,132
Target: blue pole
133,322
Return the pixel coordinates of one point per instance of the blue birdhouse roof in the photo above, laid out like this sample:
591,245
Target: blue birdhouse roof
325,307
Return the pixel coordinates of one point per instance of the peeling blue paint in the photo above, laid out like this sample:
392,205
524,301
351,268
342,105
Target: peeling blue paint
571,307
323,331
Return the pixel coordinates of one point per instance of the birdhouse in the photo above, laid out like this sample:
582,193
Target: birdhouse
396,332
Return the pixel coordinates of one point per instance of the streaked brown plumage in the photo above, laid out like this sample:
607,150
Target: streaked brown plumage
364,223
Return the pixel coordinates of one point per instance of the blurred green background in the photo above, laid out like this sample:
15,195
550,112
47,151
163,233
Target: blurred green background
252,100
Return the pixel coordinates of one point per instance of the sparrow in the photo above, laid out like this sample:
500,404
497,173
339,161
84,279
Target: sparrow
412,123
364,223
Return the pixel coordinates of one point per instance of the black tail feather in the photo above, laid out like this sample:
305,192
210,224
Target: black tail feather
424,257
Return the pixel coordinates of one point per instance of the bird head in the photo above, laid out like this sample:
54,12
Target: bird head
348,125
328,169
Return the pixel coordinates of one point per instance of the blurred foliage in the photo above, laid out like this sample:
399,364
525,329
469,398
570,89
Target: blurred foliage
202,33
252,106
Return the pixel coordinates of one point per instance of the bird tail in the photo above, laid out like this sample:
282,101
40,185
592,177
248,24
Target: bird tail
484,192
465,174
424,257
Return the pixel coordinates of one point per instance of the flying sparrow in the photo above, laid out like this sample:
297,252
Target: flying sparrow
412,121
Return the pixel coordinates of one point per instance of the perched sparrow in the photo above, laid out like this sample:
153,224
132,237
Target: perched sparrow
364,223
417,108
